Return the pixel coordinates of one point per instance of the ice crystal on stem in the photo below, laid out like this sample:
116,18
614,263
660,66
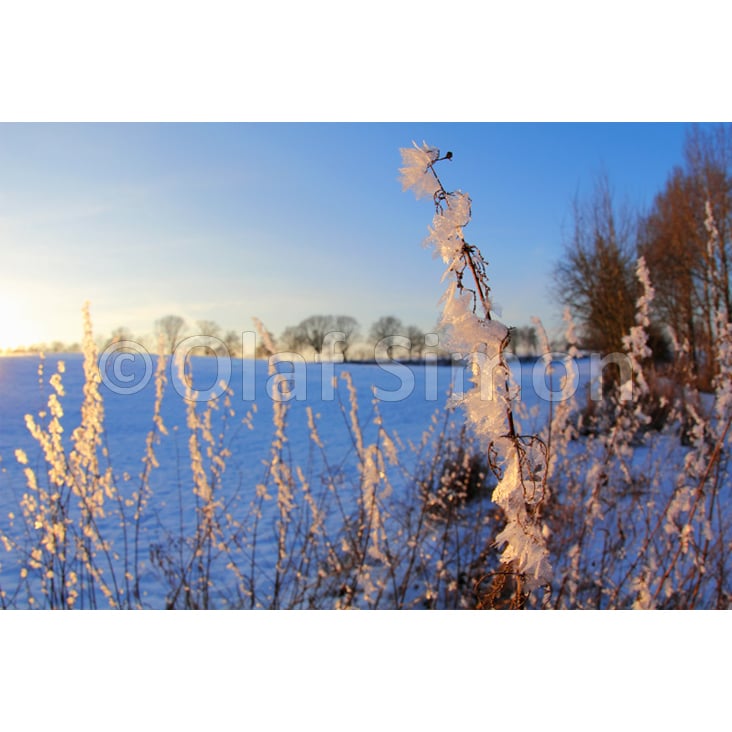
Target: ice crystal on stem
519,461
636,342
417,171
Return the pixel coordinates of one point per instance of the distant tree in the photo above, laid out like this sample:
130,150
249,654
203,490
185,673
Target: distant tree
118,335
170,328
416,337
596,276
387,325
208,328
291,339
232,341
261,350
313,330
690,278
350,328
524,341
121,334
211,329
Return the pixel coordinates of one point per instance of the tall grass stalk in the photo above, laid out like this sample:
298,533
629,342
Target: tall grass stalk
519,461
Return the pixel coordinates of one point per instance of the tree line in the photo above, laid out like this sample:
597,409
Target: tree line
315,334
684,237
312,336
309,337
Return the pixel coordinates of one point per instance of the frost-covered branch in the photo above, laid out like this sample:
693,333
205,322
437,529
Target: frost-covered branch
519,461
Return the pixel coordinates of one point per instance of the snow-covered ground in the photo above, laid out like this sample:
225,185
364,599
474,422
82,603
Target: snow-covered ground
403,403
407,397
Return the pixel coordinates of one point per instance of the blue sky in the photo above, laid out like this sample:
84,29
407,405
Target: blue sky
281,221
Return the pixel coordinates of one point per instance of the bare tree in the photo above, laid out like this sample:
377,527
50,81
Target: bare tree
416,338
690,277
211,329
291,339
208,328
524,341
261,350
384,327
312,331
350,328
596,276
387,325
232,342
119,335
170,328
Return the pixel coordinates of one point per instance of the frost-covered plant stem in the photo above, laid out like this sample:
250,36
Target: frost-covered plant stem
697,490
561,429
519,461
698,505
149,462
72,557
633,392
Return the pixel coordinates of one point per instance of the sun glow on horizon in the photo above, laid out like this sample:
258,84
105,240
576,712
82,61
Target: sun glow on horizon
17,331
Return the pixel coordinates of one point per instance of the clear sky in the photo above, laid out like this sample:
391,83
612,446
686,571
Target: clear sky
284,220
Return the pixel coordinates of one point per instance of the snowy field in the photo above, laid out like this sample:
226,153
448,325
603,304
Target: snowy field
404,403
364,489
